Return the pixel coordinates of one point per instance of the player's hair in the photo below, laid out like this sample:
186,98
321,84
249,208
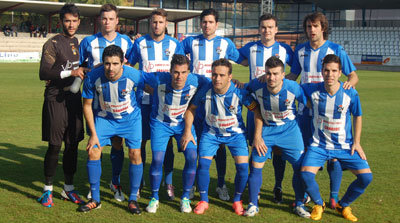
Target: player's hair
273,62
207,12
222,62
160,12
315,17
268,16
113,50
178,59
332,58
69,8
108,8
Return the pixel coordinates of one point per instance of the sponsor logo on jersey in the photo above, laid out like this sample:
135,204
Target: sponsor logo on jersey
212,118
165,108
304,55
99,47
198,44
256,51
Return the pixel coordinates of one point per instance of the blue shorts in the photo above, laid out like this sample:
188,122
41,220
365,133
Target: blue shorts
250,127
209,144
161,133
146,111
129,128
287,137
305,122
317,157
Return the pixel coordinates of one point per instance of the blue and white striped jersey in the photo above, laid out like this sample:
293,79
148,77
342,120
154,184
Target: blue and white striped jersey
204,52
331,125
113,100
91,48
169,105
223,113
257,54
280,108
308,62
154,56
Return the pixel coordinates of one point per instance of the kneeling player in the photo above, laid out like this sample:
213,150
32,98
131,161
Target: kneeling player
332,137
110,88
172,94
276,126
221,103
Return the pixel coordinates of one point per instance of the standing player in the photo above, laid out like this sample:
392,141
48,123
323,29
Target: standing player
255,54
172,93
276,126
221,103
62,110
308,63
332,137
112,88
204,49
91,51
154,52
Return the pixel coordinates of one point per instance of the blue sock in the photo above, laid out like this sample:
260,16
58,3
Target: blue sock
255,182
356,189
169,163
279,170
203,178
135,176
189,171
335,174
220,161
312,187
117,161
242,174
94,174
143,154
156,172
298,186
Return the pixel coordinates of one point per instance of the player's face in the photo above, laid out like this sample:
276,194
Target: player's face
209,25
221,79
179,75
331,74
274,76
70,24
109,21
314,31
158,25
112,67
268,29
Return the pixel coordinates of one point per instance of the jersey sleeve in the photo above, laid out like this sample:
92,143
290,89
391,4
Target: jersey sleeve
179,48
300,95
47,70
306,89
150,79
295,68
289,55
233,53
355,104
243,53
88,89
186,45
197,98
133,54
83,51
248,100
203,80
347,65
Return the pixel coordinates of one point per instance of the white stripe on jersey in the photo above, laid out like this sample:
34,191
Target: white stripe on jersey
223,46
95,51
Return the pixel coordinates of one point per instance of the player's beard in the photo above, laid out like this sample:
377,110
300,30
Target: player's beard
66,33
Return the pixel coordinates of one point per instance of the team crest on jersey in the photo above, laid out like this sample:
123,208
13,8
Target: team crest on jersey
277,55
167,52
219,50
340,108
74,51
232,109
187,97
125,92
287,102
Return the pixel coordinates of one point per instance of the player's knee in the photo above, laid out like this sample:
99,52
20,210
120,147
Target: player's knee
135,156
94,154
364,179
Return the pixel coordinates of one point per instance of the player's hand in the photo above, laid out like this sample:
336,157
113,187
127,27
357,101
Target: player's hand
357,147
347,85
148,89
137,36
93,140
186,138
238,84
80,72
259,145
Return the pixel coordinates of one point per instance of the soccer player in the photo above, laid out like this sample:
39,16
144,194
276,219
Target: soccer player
254,55
221,103
154,52
112,88
204,49
276,125
332,137
308,63
91,51
62,110
171,96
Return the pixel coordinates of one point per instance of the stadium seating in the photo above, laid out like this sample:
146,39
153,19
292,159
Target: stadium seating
383,41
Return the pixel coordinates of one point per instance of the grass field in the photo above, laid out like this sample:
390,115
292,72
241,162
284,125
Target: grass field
22,152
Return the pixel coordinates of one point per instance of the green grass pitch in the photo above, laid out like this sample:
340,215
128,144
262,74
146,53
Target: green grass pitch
22,152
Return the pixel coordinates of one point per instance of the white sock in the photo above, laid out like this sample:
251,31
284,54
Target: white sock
68,187
48,187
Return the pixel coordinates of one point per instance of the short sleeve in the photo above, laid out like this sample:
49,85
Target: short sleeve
355,104
233,53
289,55
186,45
179,48
150,79
133,54
347,65
83,51
87,89
295,68
243,53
